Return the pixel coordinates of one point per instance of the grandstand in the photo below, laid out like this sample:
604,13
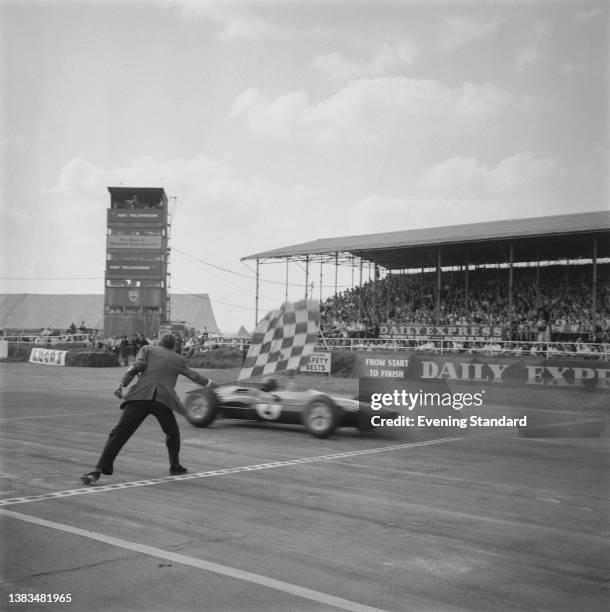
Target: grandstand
521,277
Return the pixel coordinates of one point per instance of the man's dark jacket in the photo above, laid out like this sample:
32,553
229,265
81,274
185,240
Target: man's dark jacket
159,369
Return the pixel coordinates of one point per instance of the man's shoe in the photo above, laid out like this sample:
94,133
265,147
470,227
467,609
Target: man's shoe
90,478
176,471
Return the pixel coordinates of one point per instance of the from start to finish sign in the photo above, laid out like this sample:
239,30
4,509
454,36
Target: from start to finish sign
381,367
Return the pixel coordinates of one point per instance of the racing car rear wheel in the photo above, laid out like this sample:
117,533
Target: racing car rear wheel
201,407
320,417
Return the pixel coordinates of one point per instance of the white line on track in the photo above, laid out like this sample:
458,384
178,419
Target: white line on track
103,390
209,566
47,416
223,472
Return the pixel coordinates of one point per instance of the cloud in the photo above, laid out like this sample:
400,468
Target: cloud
279,117
463,190
236,20
467,177
370,110
533,52
198,179
527,57
459,31
570,68
377,213
585,15
381,59
77,172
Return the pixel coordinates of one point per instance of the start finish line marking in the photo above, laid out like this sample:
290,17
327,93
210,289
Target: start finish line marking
223,472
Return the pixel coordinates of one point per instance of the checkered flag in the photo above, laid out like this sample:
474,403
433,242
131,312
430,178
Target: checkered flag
283,340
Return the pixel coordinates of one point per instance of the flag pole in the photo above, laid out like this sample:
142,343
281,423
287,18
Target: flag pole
257,283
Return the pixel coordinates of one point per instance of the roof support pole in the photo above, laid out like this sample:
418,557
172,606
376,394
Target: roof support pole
320,280
286,292
258,263
594,289
538,282
511,255
438,286
360,294
389,305
375,277
336,271
466,291
306,275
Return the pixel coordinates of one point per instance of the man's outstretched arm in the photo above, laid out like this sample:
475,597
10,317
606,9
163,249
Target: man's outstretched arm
196,377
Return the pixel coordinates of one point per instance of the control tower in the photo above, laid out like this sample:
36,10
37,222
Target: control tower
137,253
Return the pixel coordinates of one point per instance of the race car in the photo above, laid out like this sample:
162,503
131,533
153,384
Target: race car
319,413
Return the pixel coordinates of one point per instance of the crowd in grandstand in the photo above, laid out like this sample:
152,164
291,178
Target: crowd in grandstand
554,299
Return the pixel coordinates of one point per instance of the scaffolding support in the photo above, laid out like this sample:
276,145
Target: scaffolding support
168,283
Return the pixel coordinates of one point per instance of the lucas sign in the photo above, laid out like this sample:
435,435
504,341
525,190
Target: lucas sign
48,356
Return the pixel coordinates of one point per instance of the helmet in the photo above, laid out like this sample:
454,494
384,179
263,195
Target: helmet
268,384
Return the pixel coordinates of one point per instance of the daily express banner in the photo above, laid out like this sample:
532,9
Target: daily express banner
48,356
505,371
459,333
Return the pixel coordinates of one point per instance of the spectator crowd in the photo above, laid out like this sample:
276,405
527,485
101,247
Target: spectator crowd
555,300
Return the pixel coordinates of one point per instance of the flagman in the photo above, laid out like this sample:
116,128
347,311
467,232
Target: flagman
158,368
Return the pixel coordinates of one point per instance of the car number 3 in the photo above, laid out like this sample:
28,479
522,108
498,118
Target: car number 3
271,412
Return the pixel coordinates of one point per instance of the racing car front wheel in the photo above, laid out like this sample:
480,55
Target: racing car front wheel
320,417
201,407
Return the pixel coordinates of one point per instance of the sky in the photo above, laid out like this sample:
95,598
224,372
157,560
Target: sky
271,123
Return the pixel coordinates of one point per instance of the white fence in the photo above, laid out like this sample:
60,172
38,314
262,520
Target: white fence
446,347
548,350
47,340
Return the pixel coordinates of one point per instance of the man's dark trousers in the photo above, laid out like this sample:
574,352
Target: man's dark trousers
133,415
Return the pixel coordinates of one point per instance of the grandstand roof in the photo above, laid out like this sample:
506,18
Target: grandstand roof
37,310
540,238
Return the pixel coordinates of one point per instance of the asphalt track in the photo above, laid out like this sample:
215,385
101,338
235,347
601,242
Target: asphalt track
270,518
